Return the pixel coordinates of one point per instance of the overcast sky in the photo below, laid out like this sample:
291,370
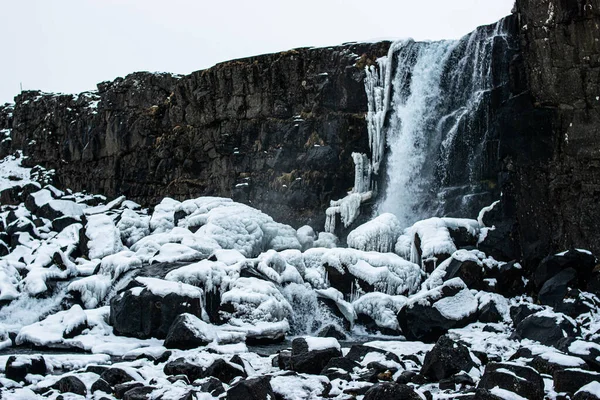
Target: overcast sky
70,45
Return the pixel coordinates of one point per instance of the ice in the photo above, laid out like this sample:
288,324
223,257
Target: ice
175,252
348,208
379,234
209,333
433,237
103,236
299,386
484,211
256,300
306,236
52,330
133,227
92,289
11,166
343,306
163,217
9,279
326,240
380,307
210,275
116,265
455,307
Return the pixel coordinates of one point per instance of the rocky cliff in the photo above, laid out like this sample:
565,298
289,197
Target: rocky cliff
274,131
277,131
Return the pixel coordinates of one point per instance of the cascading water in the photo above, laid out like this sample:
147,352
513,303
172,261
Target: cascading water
428,102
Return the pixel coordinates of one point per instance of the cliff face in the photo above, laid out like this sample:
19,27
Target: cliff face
274,131
551,146
277,131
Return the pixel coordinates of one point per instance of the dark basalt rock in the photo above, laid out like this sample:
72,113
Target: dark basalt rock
358,352
571,380
468,271
422,321
70,384
520,312
385,391
311,361
332,331
445,359
252,389
17,367
549,330
524,381
123,388
182,336
147,315
138,393
101,385
116,376
213,386
224,371
182,367
549,367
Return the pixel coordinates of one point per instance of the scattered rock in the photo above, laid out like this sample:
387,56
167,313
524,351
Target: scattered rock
252,389
116,376
17,367
310,355
224,371
181,366
546,327
385,391
445,359
524,381
572,379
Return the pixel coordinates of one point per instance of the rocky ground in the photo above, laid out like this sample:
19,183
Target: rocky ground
105,299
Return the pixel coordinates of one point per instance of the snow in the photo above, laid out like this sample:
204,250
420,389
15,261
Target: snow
456,307
256,300
382,308
379,234
133,227
505,394
52,330
299,387
592,388
41,197
484,211
563,359
66,208
322,343
103,236
500,302
92,289
162,288
210,333
162,219
343,306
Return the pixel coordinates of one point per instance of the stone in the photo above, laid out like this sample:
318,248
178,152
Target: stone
547,328
101,385
309,361
181,366
213,386
116,376
524,381
147,315
445,359
70,384
182,335
422,320
570,380
17,367
384,391
252,389
332,331
138,393
358,352
519,312
224,371
555,289
122,388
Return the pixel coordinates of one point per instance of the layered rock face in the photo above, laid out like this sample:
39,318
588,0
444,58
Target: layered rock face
275,131
551,147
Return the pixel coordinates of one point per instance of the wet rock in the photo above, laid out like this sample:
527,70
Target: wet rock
445,359
311,355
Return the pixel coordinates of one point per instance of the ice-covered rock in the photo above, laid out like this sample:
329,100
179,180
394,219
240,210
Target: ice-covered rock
103,237
380,234
310,355
133,227
380,310
52,331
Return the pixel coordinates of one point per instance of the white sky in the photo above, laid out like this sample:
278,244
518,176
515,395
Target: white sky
70,45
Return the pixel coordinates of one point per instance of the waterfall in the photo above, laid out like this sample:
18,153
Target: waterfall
428,108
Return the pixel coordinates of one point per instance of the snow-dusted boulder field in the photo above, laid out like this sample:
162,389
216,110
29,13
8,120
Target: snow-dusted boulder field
106,299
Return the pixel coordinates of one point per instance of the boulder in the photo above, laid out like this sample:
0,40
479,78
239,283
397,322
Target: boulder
427,316
181,366
550,362
55,209
213,386
150,312
397,391
310,355
358,352
138,393
581,262
186,333
591,391
123,388
570,380
546,327
17,367
224,371
70,384
524,381
555,289
445,359
116,376
519,312
252,389
102,386
469,271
